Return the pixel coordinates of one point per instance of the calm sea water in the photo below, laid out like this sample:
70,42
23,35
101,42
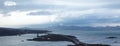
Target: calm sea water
84,36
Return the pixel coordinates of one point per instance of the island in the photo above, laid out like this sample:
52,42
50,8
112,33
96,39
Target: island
14,31
61,37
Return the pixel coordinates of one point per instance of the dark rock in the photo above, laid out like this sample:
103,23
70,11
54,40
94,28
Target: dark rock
111,37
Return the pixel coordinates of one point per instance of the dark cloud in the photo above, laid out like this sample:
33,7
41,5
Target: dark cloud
113,5
107,16
41,13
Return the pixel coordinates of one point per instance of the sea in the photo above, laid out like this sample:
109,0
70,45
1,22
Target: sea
90,37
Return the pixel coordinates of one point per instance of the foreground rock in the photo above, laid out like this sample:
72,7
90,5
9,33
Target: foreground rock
60,37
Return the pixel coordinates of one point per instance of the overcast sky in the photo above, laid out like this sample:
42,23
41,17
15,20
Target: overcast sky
60,12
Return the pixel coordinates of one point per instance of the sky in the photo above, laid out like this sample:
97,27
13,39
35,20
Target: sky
16,13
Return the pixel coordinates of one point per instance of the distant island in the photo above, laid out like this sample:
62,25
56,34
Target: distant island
19,31
13,31
86,28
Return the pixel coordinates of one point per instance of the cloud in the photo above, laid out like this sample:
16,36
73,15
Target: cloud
1,15
105,24
19,18
41,13
44,12
71,3
10,3
68,12
99,12
60,4
92,17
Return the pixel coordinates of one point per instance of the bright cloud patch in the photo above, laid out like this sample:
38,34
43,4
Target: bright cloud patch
10,3
18,18
1,15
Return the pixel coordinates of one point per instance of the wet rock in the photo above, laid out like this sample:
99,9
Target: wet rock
112,37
